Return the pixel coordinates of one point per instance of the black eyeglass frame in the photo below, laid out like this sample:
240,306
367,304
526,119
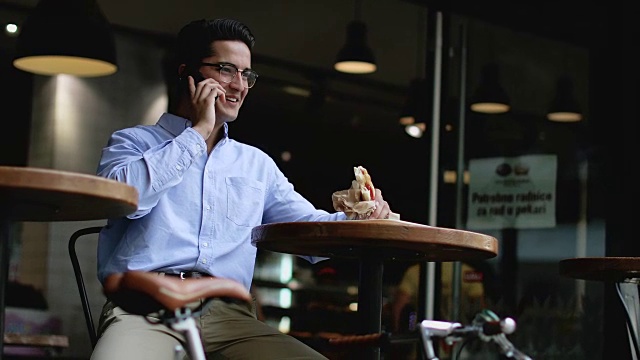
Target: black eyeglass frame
246,73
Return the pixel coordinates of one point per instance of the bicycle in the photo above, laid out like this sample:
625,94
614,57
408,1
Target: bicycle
174,301
486,326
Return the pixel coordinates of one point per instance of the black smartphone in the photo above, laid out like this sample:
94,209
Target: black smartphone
194,72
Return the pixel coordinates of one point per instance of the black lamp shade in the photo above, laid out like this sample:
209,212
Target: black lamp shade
564,107
490,97
66,37
356,56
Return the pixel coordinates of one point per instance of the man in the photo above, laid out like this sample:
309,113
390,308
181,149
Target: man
200,194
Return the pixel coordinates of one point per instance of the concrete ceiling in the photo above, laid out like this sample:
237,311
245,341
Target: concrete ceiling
304,32
311,32
308,34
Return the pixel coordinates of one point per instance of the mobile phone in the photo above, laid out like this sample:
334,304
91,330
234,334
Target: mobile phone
195,73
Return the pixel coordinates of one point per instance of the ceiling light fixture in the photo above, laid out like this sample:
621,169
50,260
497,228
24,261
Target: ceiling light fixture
564,107
296,90
66,37
490,97
356,57
11,29
416,130
414,113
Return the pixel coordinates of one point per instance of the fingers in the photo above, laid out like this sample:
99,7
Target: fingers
203,104
207,90
382,210
192,86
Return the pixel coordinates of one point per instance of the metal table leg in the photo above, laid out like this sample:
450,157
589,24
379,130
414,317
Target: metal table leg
628,292
370,299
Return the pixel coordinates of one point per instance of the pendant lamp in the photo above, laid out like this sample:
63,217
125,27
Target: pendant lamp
416,130
564,107
356,57
66,37
413,115
490,97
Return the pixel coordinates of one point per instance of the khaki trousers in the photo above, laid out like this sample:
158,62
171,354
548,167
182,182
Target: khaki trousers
228,330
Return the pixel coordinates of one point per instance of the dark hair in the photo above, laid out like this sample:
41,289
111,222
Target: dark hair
193,44
194,39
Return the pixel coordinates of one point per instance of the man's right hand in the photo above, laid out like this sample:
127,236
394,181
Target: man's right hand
203,110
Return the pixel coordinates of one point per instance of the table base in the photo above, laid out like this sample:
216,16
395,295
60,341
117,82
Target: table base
370,300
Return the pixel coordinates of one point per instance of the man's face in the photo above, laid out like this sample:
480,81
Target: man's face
235,53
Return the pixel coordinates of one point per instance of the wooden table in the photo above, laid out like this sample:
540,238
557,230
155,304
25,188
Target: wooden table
373,242
621,271
33,194
607,268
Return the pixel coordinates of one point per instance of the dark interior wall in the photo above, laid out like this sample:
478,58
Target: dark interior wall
15,102
615,76
559,20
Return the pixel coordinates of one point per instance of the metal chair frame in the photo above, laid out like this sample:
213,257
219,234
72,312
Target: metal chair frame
77,271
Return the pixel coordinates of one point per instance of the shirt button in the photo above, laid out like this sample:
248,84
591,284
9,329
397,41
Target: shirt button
208,207
204,261
205,244
178,167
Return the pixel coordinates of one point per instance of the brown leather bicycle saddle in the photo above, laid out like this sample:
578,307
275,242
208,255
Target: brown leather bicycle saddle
143,293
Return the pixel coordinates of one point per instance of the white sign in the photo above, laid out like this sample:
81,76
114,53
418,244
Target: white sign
514,192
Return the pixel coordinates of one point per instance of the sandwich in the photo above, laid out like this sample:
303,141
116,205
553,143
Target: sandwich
363,184
357,202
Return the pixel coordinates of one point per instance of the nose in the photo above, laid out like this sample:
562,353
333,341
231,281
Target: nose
237,81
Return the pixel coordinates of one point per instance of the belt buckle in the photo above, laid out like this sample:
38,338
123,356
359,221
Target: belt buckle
183,275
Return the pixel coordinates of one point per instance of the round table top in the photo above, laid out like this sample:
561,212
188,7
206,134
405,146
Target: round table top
385,239
35,194
607,268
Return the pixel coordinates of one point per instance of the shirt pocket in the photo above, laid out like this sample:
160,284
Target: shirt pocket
245,201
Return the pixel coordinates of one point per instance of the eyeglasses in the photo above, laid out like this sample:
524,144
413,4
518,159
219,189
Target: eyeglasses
228,73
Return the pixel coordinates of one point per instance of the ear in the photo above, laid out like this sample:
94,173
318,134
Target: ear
181,69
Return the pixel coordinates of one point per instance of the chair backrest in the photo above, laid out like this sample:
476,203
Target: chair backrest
77,270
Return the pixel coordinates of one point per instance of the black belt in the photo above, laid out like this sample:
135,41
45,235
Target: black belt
186,274
198,275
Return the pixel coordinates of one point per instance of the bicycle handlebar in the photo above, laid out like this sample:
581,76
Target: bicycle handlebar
486,326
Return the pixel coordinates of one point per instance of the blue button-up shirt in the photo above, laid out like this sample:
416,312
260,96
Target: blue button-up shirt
195,211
